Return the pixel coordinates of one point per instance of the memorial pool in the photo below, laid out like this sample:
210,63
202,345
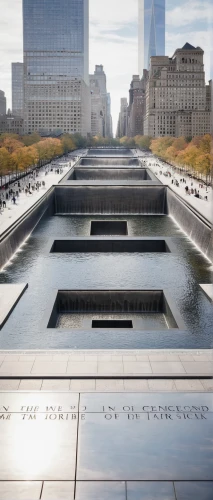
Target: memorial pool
179,272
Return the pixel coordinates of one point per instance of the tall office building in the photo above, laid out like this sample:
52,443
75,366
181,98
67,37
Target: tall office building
3,103
178,101
18,89
56,76
151,31
123,118
137,105
100,103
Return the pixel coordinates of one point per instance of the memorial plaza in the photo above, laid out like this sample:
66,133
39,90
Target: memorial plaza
106,359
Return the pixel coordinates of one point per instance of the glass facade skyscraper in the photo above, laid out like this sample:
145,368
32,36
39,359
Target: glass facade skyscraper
151,33
56,52
56,38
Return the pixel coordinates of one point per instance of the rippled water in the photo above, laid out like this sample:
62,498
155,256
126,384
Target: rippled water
179,272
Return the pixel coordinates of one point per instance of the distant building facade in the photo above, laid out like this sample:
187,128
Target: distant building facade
100,103
18,89
177,98
3,103
109,131
11,124
56,59
123,118
137,105
151,31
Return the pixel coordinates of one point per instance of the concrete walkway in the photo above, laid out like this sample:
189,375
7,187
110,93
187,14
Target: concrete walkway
204,207
12,212
110,364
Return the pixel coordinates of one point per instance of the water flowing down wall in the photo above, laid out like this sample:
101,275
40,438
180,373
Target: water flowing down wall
109,162
132,174
12,238
193,224
110,200
110,152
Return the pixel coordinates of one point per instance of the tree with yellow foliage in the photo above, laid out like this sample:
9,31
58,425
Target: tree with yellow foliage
5,162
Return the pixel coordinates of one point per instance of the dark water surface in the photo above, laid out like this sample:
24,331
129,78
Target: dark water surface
179,272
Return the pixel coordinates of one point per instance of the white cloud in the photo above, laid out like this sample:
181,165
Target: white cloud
189,12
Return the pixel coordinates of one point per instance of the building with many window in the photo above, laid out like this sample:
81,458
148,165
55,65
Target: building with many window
100,103
137,105
123,118
18,89
151,31
56,79
3,103
177,98
11,124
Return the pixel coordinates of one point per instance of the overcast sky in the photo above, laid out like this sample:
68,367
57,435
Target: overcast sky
113,38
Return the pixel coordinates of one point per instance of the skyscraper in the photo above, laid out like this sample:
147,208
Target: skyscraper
18,89
151,31
3,103
56,59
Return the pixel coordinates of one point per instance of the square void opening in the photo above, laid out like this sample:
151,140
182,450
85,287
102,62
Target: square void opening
109,228
120,244
139,310
112,323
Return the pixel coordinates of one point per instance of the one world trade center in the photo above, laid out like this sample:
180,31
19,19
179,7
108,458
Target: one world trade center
151,35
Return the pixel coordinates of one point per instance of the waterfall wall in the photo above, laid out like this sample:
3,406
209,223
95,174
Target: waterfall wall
193,224
132,174
13,237
110,200
115,162
110,152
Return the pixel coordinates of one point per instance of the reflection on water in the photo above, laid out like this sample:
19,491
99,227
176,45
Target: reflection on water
179,272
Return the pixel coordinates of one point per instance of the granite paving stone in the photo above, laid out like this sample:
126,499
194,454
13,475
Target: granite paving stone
58,490
194,490
167,367
161,385
110,367
82,385
79,367
9,385
20,490
100,490
148,490
207,384
199,367
49,367
135,385
189,385
109,385
16,368
55,385
30,385
137,367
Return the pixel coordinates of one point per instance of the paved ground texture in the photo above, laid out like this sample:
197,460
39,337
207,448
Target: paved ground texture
12,212
204,207
99,364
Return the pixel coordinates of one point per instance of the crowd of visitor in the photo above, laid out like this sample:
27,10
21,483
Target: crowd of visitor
27,185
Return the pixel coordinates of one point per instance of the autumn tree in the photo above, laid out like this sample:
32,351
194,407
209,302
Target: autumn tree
5,162
143,141
29,140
